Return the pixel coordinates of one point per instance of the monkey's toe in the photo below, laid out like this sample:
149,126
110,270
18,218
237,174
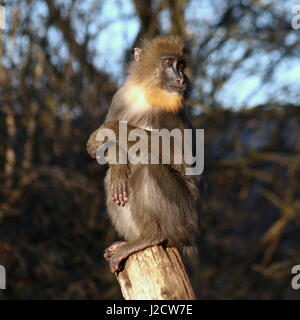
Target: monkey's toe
115,262
114,265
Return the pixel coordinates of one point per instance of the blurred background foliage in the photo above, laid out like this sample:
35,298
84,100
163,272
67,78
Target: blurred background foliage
60,64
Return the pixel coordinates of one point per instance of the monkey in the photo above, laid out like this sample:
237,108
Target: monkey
151,204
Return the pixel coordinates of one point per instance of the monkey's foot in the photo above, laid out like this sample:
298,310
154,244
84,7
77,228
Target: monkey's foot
114,254
119,193
109,251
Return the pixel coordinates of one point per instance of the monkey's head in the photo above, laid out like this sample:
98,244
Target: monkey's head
160,66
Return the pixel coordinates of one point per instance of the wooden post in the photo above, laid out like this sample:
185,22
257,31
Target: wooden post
156,273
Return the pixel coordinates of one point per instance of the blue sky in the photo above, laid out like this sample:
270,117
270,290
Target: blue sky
119,26
242,89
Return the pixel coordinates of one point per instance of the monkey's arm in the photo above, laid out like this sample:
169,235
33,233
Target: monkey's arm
93,145
120,172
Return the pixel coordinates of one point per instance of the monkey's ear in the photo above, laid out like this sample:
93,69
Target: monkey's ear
137,53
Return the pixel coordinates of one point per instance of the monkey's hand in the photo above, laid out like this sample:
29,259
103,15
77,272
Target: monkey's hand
119,183
92,144
95,140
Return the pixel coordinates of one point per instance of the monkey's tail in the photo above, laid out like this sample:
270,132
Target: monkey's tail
189,250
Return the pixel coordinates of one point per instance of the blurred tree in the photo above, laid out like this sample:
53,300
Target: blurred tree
56,82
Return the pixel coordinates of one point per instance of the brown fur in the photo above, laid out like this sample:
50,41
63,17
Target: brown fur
152,51
163,203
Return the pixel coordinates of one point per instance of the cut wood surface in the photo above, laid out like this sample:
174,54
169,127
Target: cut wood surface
156,273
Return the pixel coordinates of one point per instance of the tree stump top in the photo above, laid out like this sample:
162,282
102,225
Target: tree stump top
156,273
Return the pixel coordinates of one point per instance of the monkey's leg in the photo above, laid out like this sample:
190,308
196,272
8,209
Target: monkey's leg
123,251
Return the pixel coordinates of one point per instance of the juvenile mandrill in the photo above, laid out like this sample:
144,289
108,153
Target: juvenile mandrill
151,203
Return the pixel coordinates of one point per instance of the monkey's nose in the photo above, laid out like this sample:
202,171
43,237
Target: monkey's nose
180,81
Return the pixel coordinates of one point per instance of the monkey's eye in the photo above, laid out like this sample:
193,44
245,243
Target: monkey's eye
169,61
181,65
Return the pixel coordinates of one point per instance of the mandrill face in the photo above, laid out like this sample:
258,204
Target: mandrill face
161,71
173,77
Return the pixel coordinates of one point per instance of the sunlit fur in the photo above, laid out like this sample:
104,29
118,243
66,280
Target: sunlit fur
142,98
145,74
135,96
168,101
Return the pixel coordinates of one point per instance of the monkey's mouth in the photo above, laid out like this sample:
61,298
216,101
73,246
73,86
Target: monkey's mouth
177,90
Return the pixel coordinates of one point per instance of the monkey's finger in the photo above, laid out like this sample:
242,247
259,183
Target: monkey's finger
112,191
125,192
120,194
115,194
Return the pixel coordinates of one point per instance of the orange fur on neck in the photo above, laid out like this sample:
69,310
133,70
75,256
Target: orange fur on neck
163,99
142,97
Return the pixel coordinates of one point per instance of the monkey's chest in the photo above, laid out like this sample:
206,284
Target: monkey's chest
156,119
